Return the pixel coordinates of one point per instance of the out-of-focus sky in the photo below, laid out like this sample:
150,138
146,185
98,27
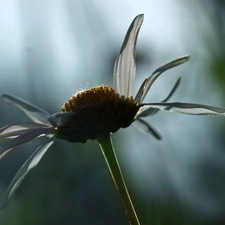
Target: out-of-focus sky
51,49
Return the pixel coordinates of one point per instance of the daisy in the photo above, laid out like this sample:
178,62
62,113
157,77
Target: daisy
95,113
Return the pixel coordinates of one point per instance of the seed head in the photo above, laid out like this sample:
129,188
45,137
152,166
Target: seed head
96,111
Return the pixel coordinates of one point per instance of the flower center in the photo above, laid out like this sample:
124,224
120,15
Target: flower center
96,111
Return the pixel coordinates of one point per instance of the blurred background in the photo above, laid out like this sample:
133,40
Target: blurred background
49,50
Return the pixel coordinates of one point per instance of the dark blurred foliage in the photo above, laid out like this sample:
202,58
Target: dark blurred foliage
72,185
216,49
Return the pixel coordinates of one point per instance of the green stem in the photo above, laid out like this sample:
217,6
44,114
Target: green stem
114,168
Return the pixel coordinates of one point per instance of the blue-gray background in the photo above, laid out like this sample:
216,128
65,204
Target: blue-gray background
51,49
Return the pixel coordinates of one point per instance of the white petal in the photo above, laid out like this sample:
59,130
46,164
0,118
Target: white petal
188,108
140,91
155,75
147,112
23,138
20,126
173,90
34,113
24,170
152,111
144,127
13,130
125,66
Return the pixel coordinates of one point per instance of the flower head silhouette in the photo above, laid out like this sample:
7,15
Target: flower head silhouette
95,112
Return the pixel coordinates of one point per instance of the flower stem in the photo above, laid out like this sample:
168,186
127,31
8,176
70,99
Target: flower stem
114,168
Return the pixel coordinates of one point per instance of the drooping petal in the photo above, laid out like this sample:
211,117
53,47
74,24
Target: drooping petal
140,92
12,130
152,111
173,90
125,66
29,135
139,98
33,112
144,127
24,170
188,108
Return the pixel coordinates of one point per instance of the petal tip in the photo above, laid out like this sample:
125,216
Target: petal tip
4,96
139,19
140,16
186,58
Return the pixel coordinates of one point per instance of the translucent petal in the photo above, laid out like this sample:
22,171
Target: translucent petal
23,138
188,108
13,130
34,113
125,66
147,112
24,170
152,111
173,90
140,91
19,126
144,127
156,74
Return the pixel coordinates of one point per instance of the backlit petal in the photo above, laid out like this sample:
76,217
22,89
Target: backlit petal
125,66
156,74
13,130
33,112
188,108
144,127
24,170
29,135
152,111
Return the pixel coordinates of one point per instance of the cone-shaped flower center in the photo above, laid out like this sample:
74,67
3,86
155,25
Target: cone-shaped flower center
96,111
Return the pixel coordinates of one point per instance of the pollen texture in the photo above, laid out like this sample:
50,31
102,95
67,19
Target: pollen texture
97,111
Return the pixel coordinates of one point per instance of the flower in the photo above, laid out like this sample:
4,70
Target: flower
95,112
